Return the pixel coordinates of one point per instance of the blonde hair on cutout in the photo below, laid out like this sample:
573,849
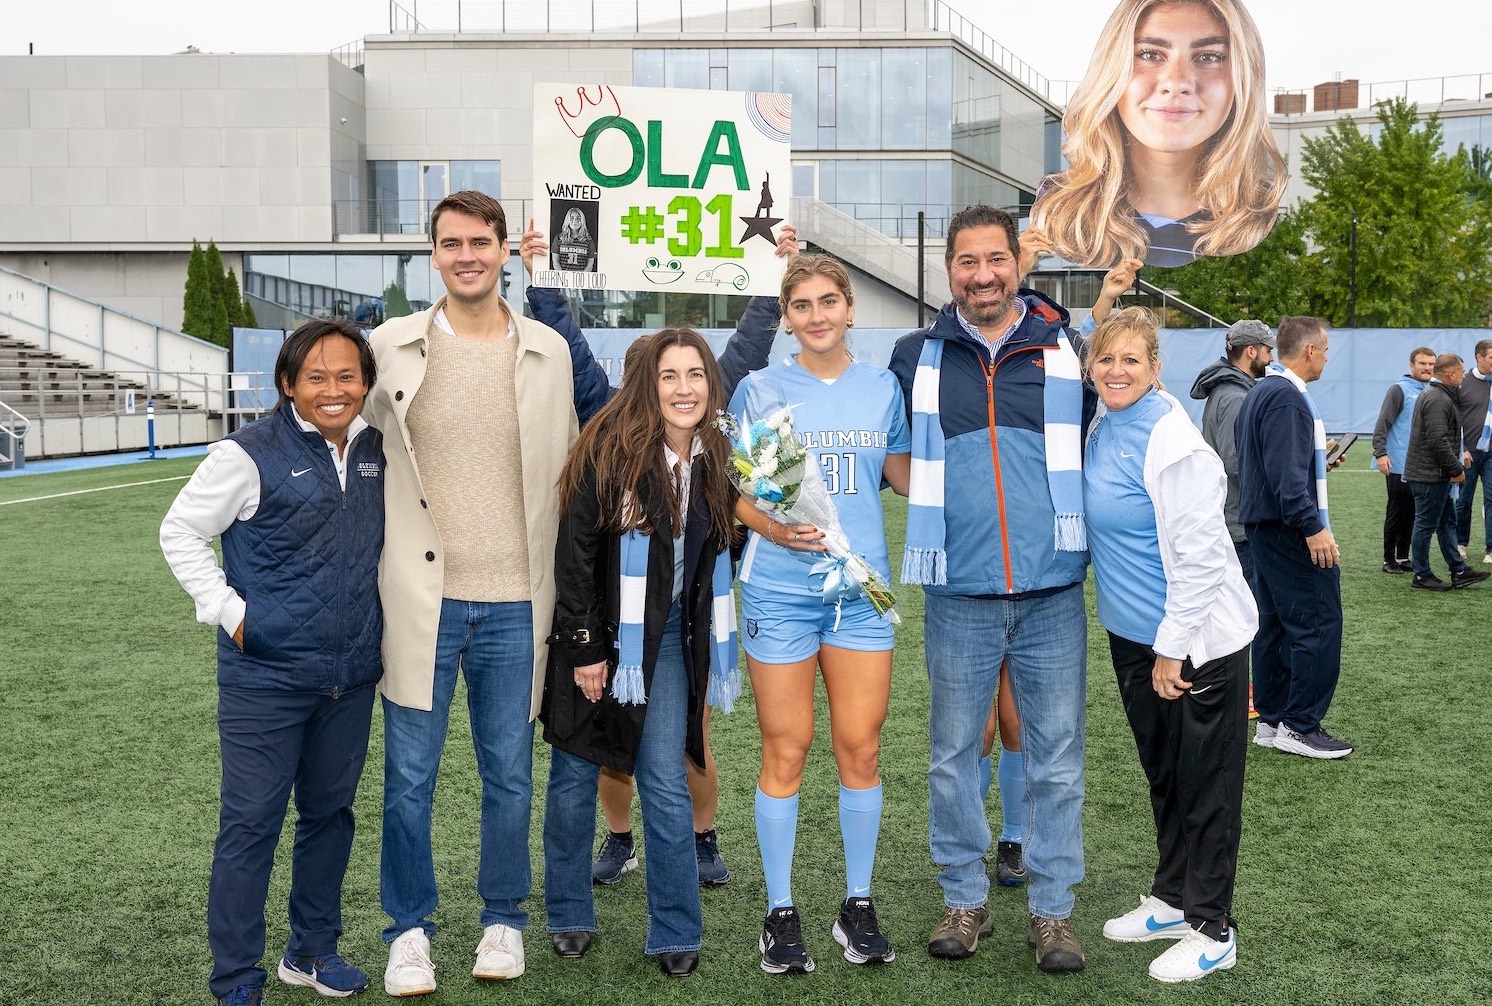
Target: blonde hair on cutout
1087,210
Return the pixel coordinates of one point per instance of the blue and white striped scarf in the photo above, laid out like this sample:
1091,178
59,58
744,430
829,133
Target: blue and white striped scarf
1318,436
725,677
1484,442
926,558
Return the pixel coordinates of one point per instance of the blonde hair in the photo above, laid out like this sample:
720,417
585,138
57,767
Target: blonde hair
1087,210
1119,326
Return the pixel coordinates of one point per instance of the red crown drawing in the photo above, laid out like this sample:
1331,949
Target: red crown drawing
594,104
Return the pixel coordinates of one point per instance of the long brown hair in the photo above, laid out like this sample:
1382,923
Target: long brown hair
623,445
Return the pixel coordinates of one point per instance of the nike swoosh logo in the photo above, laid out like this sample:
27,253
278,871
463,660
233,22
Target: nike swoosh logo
1199,691
1155,927
1207,965
780,903
861,890
296,475
1123,455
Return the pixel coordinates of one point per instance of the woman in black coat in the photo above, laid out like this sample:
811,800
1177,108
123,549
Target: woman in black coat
630,660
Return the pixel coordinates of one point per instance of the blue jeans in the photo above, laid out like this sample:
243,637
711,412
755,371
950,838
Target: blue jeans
675,922
1045,641
493,644
1434,514
1480,470
274,742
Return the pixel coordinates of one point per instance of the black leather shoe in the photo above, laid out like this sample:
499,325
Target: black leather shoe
679,964
571,944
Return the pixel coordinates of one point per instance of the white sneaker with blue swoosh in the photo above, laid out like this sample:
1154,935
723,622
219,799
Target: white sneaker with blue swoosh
1196,956
1153,920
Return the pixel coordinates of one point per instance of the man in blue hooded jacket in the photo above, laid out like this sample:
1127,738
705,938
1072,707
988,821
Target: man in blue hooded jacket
997,406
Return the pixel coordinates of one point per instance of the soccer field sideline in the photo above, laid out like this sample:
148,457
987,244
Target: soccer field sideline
108,788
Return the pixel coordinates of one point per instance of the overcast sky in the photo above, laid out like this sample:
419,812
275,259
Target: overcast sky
1306,41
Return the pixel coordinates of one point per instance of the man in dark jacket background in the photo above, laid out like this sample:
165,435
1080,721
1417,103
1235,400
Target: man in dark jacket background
1250,349
1435,461
1476,428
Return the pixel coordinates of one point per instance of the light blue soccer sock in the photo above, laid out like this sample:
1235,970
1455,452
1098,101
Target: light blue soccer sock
1012,795
860,827
776,832
984,774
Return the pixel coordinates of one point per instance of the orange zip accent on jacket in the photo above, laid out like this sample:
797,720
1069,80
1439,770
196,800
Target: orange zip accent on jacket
994,450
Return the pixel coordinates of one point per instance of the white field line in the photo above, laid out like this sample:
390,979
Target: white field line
100,489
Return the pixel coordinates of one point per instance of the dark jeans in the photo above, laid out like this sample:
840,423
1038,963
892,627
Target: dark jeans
1398,519
1480,470
1434,514
273,742
1192,750
1298,651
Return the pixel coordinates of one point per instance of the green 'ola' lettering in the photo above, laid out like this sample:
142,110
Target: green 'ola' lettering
588,144
724,130
656,176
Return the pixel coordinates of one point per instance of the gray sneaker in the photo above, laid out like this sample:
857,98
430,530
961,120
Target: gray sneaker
1056,945
1316,744
957,934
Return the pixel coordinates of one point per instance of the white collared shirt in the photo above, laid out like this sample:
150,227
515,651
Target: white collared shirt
223,489
684,473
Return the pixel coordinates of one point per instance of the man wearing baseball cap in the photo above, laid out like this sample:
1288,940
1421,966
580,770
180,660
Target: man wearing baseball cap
1249,348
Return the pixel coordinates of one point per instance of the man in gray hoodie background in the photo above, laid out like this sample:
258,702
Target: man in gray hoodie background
1249,349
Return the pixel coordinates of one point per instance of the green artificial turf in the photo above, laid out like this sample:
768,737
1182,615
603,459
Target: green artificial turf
1362,881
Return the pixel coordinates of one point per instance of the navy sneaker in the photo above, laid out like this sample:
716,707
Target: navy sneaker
618,857
781,944
712,871
243,995
1010,864
859,931
329,975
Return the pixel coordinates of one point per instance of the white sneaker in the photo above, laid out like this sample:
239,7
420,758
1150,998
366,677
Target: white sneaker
500,954
410,972
1153,920
1264,734
1488,557
1462,550
1196,956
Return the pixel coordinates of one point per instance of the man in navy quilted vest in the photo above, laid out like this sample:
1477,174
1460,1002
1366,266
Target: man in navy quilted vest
297,498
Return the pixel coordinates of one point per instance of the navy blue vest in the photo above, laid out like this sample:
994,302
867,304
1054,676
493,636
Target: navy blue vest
306,563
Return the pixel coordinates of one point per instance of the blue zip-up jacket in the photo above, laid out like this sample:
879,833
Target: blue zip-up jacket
749,348
1277,459
998,512
306,564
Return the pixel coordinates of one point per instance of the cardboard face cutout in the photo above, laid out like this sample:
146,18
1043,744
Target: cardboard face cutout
1167,139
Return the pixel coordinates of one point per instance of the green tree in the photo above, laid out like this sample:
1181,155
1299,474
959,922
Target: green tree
1423,247
249,319
218,275
395,303
196,301
235,301
1269,281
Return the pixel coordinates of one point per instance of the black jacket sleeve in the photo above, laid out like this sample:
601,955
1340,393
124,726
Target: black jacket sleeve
580,571
592,389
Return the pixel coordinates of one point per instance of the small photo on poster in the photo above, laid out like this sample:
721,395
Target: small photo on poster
574,223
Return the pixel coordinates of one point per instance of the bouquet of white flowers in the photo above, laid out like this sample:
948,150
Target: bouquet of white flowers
771,469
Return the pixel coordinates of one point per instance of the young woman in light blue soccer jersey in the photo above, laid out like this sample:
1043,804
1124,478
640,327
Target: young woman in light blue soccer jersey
853,418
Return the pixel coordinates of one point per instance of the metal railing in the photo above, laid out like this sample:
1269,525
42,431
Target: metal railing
350,55
100,337
1420,90
945,18
92,413
649,16
12,449
409,217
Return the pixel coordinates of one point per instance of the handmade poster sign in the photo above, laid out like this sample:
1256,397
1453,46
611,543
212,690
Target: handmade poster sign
647,188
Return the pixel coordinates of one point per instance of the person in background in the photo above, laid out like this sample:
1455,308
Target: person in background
1390,442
